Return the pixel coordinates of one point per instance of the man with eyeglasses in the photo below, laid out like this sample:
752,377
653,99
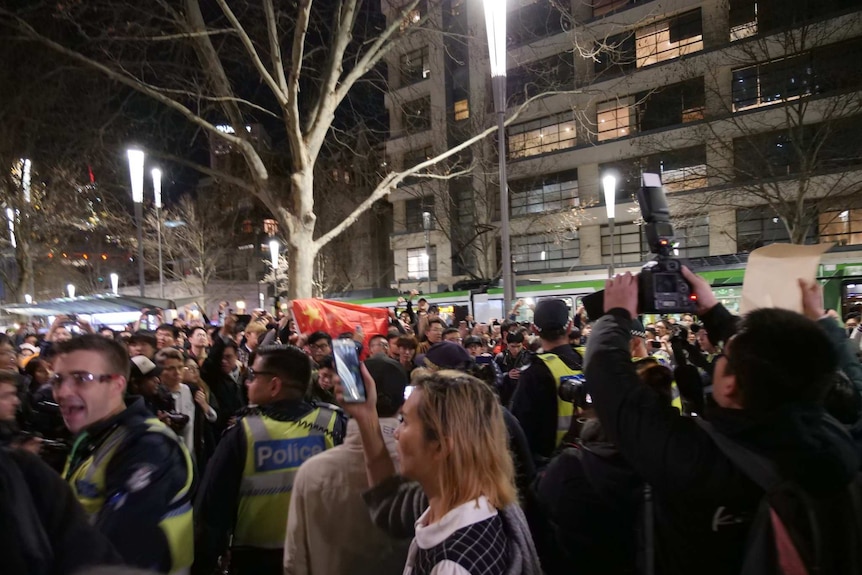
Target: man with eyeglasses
247,485
130,472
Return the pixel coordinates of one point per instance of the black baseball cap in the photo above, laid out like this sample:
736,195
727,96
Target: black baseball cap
551,314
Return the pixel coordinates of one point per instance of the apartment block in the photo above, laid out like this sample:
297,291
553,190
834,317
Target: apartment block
750,110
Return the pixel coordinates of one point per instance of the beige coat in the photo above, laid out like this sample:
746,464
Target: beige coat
329,529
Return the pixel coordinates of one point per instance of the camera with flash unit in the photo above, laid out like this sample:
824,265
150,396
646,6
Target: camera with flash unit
661,285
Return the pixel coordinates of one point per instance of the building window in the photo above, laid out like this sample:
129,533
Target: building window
415,66
417,156
630,245
743,19
670,39
556,72
691,237
413,16
617,54
549,194
614,119
270,227
602,7
541,136
422,265
414,220
671,105
416,115
844,227
544,252
461,110
534,20
757,227
819,71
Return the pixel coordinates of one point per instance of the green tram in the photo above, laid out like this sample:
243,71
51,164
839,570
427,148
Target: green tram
839,272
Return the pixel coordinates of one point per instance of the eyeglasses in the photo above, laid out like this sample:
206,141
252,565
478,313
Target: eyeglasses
79,379
252,374
190,368
319,346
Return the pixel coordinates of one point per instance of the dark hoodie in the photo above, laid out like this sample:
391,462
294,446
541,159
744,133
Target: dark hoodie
592,499
704,504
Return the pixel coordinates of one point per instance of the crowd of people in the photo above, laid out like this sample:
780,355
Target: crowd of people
568,444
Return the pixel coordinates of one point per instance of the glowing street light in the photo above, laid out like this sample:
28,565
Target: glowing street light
136,174
609,183
495,23
273,251
157,190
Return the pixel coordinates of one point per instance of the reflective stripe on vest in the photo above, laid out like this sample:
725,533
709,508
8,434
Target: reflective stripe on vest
274,451
88,483
565,410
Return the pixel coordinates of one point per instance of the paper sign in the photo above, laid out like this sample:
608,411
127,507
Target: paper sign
773,273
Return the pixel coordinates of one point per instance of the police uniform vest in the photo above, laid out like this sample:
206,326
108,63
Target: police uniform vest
274,451
561,372
88,482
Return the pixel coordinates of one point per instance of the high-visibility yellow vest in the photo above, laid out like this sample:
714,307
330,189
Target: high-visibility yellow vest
88,483
561,372
274,451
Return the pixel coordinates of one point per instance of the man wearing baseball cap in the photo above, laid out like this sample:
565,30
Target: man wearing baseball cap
545,417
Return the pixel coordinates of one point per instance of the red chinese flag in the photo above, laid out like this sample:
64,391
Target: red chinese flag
335,318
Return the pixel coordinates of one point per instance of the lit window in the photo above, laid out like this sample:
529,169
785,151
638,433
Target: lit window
421,264
270,227
844,227
541,136
462,110
685,178
614,119
669,39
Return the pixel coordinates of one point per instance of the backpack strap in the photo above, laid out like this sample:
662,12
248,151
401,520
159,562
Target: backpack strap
756,467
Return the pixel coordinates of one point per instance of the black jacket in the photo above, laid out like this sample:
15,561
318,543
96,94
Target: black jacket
135,506
43,529
703,503
592,501
218,498
229,394
535,401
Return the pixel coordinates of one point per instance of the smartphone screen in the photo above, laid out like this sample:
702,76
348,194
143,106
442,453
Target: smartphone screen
347,366
656,344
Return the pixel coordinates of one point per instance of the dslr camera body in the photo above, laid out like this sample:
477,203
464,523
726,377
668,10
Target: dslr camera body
661,285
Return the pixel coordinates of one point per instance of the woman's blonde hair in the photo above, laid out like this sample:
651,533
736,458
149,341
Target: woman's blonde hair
464,415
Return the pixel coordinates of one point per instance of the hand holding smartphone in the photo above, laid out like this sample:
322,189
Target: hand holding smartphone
347,366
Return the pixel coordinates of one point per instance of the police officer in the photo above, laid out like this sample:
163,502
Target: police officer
245,494
545,417
130,472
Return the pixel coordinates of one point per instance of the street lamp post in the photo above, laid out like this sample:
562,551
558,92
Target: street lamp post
609,183
115,283
70,289
495,22
136,173
273,251
157,190
426,223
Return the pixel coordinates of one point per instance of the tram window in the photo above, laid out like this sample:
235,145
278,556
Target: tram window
525,312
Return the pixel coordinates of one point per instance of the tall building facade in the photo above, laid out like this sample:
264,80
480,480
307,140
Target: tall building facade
749,109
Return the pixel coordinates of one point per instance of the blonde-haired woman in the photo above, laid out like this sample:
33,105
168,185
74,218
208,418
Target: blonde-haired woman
452,444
